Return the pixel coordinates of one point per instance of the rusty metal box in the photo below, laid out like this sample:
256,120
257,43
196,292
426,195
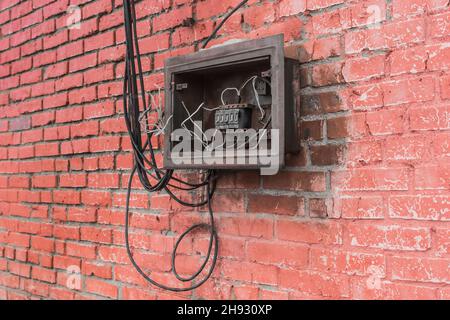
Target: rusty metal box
195,85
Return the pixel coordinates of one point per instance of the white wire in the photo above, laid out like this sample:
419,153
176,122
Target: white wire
160,127
160,130
204,144
155,107
263,114
239,91
229,89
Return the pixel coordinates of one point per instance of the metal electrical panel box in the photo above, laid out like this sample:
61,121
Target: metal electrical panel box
245,87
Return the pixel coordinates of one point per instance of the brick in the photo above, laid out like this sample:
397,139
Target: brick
111,54
42,244
56,39
361,69
42,119
272,253
83,129
19,269
385,122
98,198
21,123
43,88
56,133
419,207
69,115
320,208
99,74
103,180
312,130
259,15
111,143
133,293
45,28
66,232
172,18
327,155
438,58
82,95
441,145
420,269
360,208
55,8
31,19
44,181
71,49
19,182
66,197
68,82
390,237
406,91
96,269
83,62
441,241
99,41
282,205
72,180
438,25
406,148
432,177
348,262
154,43
21,10
415,7
32,77
20,66
63,262
337,128
327,74
384,289
408,61
96,235
425,118
99,110
291,7
314,283
82,214
47,149
247,227
320,103
76,146
54,101
371,179
320,4
404,32
18,239
296,181
445,87
331,22
86,251
309,232
101,288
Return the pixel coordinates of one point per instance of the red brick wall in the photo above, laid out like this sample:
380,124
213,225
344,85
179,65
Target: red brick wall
361,212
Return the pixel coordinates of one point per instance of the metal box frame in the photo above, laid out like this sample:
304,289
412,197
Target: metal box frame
282,75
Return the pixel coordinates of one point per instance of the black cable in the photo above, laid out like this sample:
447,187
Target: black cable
145,164
220,25
213,241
